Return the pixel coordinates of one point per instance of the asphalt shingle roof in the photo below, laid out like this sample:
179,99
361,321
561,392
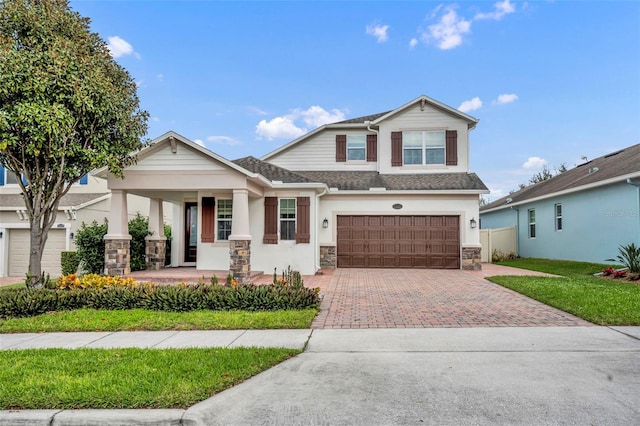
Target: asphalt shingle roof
69,200
364,180
363,119
619,163
270,171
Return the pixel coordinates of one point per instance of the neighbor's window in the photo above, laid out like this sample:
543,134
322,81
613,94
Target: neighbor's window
423,147
532,223
288,219
225,210
356,147
558,210
12,178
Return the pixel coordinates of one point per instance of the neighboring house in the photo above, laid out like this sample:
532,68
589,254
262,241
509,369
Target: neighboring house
390,190
584,214
86,201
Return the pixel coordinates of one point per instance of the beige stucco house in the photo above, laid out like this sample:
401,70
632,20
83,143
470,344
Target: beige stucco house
390,190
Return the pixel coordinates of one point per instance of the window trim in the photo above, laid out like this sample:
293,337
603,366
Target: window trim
424,149
531,220
220,220
558,217
289,219
352,139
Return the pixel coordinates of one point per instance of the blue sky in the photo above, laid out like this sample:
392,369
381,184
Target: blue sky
550,81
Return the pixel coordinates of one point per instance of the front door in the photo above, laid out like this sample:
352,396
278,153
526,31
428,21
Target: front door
190,232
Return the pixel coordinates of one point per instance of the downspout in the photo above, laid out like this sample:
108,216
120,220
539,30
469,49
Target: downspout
517,229
317,243
636,182
368,123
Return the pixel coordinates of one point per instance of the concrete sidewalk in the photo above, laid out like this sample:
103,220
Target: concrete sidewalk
508,375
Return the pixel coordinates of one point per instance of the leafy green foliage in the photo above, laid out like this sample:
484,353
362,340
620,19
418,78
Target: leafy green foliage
16,303
629,256
69,261
90,245
138,229
66,108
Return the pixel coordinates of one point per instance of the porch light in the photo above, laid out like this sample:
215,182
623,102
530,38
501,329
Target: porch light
325,223
473,223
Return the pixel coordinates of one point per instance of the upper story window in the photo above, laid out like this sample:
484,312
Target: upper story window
423,147
7,177
531,215
558,213
287,218
11,178
356,147
225,214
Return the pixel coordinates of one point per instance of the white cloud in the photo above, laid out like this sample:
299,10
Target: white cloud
279,127
449,31
285,126
224,140
506,98
119,47
501,8
199,142
534,163
413,43
256,110
470,105
379,32
160,77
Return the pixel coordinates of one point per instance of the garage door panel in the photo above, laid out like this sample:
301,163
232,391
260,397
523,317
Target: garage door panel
19,252
401,241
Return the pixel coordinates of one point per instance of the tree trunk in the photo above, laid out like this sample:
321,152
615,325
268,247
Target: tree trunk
37,242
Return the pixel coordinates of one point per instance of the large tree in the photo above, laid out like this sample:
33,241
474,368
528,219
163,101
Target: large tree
66,108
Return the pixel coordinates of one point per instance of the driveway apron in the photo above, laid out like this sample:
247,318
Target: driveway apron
425,298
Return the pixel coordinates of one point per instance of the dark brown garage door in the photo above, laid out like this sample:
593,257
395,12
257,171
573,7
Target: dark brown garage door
399,242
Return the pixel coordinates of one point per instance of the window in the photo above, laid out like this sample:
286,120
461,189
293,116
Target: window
532,223
423,147
558,211
225,210
288,219
12,178
356,147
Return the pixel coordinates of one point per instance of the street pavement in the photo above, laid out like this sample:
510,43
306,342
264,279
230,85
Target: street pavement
440,376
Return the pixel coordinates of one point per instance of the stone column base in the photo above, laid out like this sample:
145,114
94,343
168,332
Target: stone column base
154,251
117,256
328,257
471,258
240,260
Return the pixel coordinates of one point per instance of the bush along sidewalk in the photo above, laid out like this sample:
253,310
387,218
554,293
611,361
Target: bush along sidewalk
114,293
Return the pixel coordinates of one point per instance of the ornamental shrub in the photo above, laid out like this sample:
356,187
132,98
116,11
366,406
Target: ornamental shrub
69,260
90,245
138,229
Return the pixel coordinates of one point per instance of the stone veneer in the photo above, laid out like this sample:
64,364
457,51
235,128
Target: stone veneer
328,257
117,257
154,251
240,260
471,258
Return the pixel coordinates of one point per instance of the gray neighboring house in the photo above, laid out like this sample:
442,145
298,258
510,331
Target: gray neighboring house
583,214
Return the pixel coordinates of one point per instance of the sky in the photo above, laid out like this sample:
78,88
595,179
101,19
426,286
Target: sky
551,82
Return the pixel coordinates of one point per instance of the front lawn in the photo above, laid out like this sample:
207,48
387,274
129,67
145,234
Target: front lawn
140,319
126,378
577,291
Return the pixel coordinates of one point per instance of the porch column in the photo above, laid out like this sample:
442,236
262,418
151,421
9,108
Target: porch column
240,238
156,243
117,242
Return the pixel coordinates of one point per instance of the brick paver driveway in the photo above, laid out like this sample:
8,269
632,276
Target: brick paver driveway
403,298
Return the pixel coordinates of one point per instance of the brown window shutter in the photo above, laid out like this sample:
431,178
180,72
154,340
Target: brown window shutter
452,147
270,220
303,220
372,147
341,148
396,148
208,233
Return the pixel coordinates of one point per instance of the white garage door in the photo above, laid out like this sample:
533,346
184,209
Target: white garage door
19,252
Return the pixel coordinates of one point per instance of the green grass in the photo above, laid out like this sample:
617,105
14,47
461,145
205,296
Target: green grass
600,301
139,319
18,285
126,378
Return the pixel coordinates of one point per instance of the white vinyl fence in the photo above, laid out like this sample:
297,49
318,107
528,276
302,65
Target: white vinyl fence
501,239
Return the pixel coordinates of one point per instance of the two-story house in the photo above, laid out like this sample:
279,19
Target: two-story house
389,190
